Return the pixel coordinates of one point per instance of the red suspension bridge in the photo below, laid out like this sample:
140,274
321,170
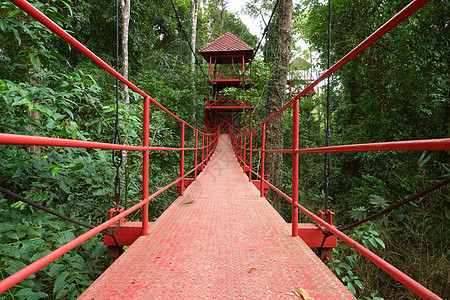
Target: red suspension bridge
221,239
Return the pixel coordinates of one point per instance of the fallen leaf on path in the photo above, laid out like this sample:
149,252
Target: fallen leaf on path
302,293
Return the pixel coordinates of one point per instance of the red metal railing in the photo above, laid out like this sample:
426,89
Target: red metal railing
15,139
239,143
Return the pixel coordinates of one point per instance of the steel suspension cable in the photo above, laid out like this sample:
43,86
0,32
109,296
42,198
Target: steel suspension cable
327,133
17,197
266,29
186,37
117,139
180,28
326,165
401,203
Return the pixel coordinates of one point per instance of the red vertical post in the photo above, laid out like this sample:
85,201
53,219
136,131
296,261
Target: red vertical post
263,156
240,150
250,157
145,163
182,159
203,149
245,146
196,153
207,149
295,143
210,63
210,139
243,63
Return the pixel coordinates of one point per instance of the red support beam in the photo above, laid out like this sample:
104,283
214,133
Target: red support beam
311,234
127,233
265,187
218,99
224,120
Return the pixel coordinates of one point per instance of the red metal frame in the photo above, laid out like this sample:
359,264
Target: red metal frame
313,236
127,233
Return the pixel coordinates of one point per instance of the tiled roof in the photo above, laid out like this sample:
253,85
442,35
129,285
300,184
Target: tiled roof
226,43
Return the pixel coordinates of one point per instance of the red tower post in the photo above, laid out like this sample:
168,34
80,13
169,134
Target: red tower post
263,156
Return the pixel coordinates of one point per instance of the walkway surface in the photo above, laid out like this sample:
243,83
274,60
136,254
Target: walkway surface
228,244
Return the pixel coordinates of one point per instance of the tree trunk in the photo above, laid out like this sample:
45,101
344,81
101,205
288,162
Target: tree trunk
279,54
221,17
194,14
125,8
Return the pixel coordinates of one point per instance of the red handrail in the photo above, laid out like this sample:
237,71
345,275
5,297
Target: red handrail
439,144
417,145
16,139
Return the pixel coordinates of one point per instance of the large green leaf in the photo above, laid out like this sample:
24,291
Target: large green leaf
27,293
60,283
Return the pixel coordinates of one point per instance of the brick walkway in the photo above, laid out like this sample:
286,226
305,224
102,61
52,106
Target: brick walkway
228,244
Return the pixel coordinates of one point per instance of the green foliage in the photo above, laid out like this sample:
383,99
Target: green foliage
345,260
221,21
28,235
